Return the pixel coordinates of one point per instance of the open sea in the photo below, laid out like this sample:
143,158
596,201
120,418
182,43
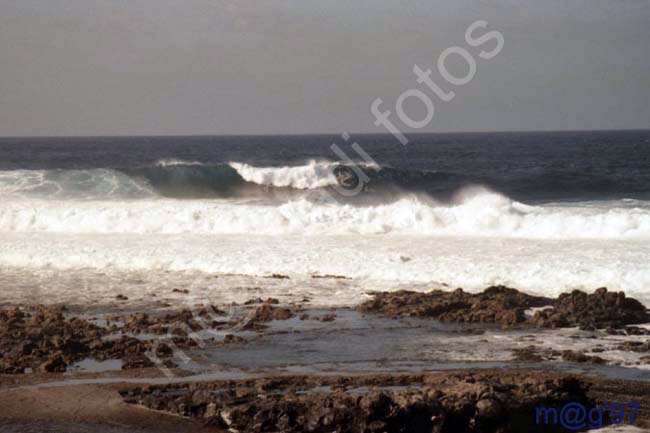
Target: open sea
542,212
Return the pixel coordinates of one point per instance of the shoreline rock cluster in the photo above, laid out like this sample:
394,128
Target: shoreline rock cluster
44,339
601,309
507,307
49,339
41,338
466,402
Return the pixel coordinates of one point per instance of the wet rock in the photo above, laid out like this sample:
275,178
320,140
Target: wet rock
12,316
254,301
528,354
210,312
138,319
497,304
505,306
163,350
635,346
601,309
54,364
636,330
489,407
136,361
573,356
183,291
445,403
330,276
10,368
48,314
231,338
41,338
268,312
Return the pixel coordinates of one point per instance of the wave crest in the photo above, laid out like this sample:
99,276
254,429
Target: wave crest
311,176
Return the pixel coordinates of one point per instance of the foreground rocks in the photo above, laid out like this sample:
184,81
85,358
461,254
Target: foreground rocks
42,338
460,402
507,307
48,339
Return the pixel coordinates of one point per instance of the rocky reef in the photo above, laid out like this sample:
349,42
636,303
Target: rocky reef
507,307
466,402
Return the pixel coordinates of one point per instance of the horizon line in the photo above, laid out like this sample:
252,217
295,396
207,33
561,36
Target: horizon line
314,134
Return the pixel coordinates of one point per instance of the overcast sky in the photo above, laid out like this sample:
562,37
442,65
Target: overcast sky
115,67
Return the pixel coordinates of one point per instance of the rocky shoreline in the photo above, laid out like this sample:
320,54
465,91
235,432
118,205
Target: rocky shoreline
48,341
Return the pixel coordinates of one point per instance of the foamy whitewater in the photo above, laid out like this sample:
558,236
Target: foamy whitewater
481,214
184,215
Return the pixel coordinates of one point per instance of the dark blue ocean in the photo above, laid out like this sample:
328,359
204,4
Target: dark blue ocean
527,166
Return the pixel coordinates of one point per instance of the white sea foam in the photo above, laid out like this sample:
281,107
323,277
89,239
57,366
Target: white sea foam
482,238
176,162
483,214
310,176
545,267
95,184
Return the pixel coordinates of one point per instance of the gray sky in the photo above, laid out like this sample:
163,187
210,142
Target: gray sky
104,67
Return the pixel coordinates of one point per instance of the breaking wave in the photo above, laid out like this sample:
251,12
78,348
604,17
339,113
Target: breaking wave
181,179
168,178
311,176
475,213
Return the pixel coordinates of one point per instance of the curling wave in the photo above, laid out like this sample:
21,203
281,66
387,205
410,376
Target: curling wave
181,179
311,176
167,178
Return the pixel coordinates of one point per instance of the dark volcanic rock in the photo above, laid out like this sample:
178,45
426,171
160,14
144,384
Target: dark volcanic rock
267,312
573,356
505,306
454,402
54,364
329,276
528,354
635,346
43,339
231,338
183,291
537,354
132,362
498,304
601,309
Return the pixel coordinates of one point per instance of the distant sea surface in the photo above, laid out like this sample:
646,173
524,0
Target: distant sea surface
524,166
